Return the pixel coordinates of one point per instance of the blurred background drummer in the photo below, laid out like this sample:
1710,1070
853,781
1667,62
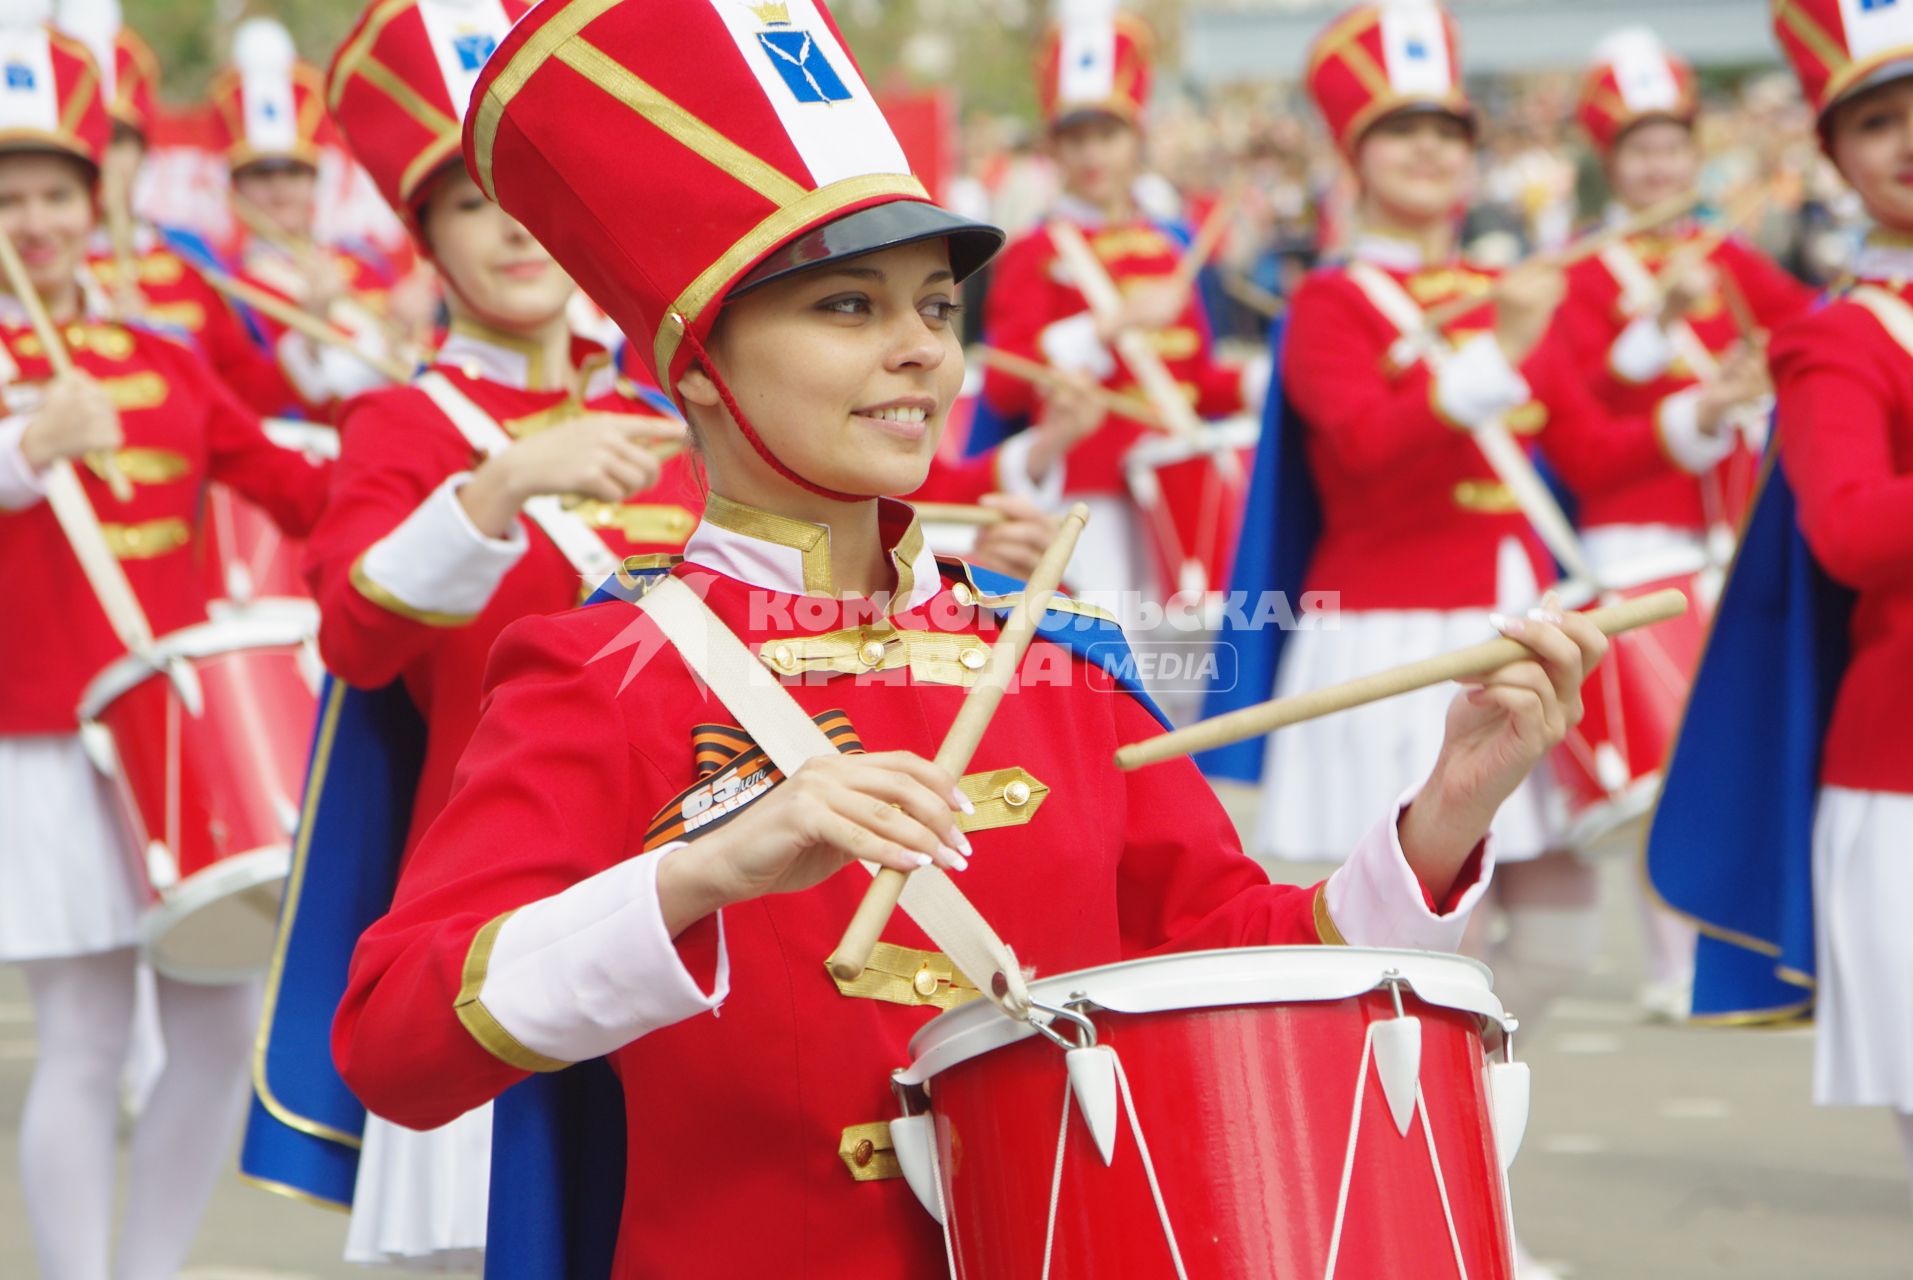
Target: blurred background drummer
1094,82
68,899
270,108
435,540
1650,318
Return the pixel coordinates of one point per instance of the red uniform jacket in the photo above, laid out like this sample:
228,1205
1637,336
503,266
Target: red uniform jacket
1028,297
398,449
177,297
182,428
1594,316
597,742
1412,514
1846,439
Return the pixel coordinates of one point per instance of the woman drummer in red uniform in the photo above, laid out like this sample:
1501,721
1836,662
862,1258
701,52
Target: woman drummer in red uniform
435,539
68,903
801,307
1650,320
1422,541
1844,380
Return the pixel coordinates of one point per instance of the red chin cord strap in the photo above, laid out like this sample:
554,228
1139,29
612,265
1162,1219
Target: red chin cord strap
744,424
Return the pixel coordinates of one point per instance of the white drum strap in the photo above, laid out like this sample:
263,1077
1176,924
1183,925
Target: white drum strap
573,537
766,711
1640,291
1891,310
1148,1168
1504,455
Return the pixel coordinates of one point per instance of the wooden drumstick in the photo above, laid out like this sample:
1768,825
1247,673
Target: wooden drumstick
1476,660
1438,318
1269,305
966,732
104,464
302,322
1208,240
1050,377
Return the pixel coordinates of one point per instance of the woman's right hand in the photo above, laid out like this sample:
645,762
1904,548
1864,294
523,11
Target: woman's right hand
893,808
1525,300
76,416
606,456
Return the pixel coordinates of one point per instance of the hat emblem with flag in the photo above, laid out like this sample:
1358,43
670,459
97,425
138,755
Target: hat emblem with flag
1095,60
795,54
50,100
1839,47
20,77
1634,78
1379,59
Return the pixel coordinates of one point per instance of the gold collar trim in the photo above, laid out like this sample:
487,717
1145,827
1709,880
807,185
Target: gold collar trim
914,567
477,350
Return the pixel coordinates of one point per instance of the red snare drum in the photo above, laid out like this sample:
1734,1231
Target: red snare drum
209,760
1279,1111
1610,764
247,558
1191,492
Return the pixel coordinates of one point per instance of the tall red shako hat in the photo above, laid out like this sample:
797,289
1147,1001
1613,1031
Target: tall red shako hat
1634,78
269,104
1094,60
1840,47
399,87
49,89
129,73
673,153
1380,59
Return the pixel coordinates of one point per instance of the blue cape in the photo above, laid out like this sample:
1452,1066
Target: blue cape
1730,845
302,1135
1280,526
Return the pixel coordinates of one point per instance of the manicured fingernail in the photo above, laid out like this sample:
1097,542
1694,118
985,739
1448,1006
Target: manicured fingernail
1507,626
962,841
1551,601
956,860
962,802
1552,616
921,859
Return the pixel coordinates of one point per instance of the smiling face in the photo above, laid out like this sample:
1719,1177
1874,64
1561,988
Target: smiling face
496,272
46,207
1653,161
1871,140
1415,166
1098,158
846,371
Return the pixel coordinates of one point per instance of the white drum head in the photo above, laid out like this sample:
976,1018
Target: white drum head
219,925
1209,980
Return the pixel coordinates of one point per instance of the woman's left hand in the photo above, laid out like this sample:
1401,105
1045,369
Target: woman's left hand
1499,728
1015,543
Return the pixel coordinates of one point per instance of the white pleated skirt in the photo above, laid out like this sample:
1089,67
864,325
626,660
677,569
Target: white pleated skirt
421,1198
1863,901
67,883
1326,782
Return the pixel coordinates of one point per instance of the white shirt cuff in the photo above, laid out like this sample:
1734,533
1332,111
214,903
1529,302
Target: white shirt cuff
1678,421
1072,346
1642,353
1013,472
20,484
322,373
1477,384
437,561
587,971
1375,900
1257,373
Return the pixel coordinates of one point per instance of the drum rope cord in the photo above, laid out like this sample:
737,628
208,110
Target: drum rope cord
1148,1168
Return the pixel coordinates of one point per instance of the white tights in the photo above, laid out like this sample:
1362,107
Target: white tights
83,1013
1549,915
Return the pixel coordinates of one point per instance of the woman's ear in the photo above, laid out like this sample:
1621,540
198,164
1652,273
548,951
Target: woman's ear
696,387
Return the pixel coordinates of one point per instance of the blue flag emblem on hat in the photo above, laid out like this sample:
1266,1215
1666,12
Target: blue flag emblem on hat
473,48
19,76
1417,49
1870,6
803,66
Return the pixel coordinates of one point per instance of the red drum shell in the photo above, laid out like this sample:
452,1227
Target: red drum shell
1610,764
246,557
1247,1112
211,799
1191,495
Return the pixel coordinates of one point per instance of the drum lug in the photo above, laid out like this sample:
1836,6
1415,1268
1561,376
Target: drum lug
914,1141
1398,1063
1092,1078
1509,1090
97,741
162,868
185,682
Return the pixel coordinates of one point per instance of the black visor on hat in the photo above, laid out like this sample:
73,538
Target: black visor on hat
883,226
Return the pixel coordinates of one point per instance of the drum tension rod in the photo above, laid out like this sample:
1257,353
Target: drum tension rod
1082,1023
